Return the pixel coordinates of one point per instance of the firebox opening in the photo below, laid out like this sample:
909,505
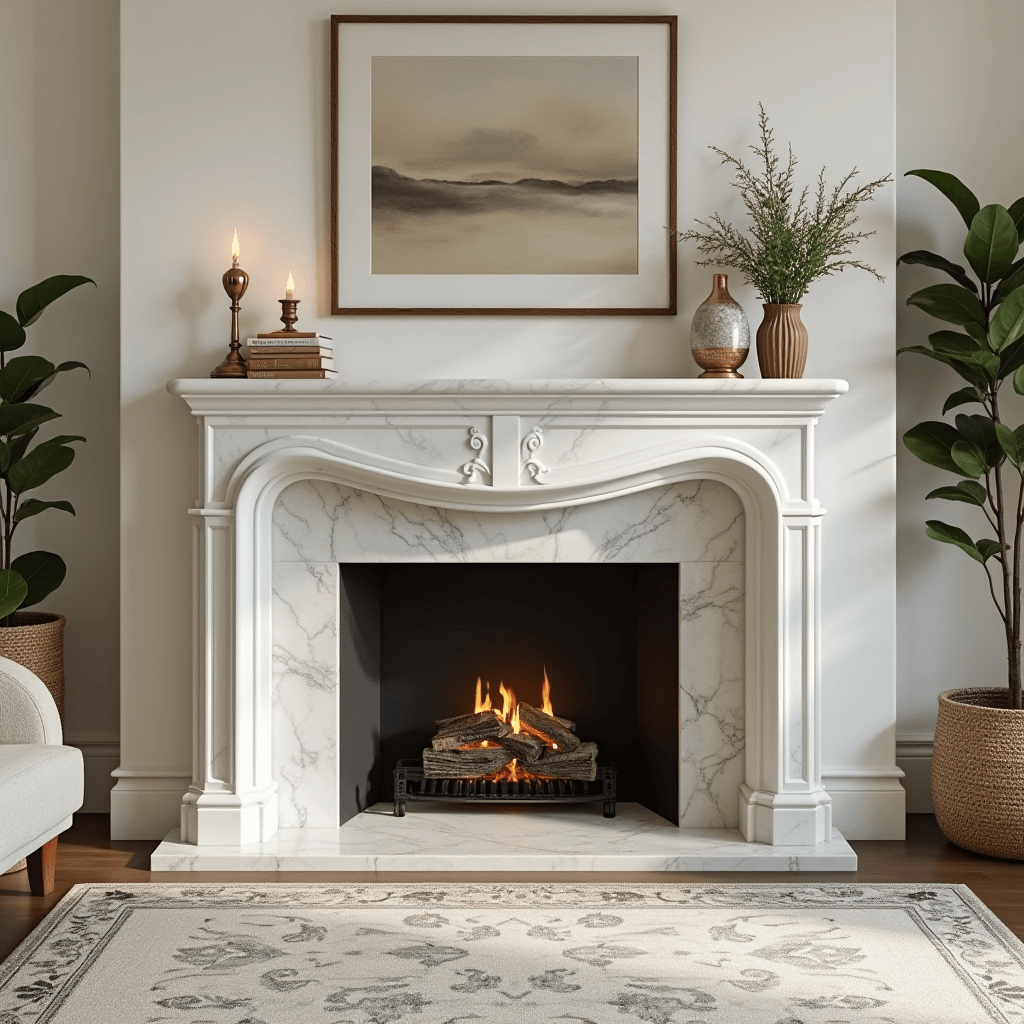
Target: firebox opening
415,639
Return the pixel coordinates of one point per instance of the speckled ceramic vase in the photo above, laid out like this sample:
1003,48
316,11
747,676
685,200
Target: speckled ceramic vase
719,332
782,341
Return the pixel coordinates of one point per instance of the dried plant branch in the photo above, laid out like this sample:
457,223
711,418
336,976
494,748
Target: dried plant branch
787,246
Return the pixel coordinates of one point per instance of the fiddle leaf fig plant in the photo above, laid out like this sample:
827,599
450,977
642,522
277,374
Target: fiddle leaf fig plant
980,448
26,464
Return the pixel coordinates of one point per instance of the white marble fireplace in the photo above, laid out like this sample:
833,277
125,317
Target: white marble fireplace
297,477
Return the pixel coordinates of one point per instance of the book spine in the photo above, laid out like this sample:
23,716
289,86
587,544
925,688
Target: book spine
309,341
291,374
289,363
290,353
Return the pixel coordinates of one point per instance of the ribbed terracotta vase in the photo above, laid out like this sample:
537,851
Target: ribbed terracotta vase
782,341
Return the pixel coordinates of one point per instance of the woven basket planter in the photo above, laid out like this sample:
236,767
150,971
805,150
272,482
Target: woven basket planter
36,640
978,772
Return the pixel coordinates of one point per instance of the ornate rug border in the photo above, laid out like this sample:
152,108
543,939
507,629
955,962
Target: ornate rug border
469,895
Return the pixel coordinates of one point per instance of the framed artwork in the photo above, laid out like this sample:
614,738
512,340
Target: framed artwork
503,165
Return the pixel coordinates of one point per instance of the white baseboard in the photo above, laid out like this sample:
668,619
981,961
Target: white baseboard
101,755
146,802
867,803
914,756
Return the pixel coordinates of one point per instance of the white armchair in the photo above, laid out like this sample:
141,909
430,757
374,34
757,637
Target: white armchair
41,781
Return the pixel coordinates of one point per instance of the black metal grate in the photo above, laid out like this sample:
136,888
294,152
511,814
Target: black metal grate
410,784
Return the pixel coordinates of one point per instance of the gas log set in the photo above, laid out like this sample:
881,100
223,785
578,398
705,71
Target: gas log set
516,744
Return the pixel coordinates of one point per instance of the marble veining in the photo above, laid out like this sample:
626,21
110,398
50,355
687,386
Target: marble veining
695,521
305,694
434,837
711,693
698,524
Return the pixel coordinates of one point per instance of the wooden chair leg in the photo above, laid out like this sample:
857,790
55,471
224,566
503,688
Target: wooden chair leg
42,865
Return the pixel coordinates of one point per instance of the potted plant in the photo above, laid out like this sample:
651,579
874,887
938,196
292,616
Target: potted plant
34,639
978,761
789,245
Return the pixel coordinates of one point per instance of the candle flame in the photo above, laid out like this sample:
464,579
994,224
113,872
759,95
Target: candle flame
234,247
290,286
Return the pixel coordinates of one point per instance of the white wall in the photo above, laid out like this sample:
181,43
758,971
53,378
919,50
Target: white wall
59,215
225,124
958,67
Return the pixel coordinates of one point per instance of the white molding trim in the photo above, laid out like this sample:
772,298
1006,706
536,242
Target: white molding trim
100,754
914,756
144,800
259,437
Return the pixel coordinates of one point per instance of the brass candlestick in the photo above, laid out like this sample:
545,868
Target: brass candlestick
235,281
289,315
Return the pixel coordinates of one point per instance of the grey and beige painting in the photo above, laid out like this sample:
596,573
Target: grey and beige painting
504,165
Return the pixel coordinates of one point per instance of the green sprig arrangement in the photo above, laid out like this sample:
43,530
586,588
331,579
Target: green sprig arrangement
790,244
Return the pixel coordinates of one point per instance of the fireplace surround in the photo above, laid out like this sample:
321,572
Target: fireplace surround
297,477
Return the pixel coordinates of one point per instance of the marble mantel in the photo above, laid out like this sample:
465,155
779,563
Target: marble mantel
514,451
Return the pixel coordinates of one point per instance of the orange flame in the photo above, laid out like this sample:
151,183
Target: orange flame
509,712
545,695
482,705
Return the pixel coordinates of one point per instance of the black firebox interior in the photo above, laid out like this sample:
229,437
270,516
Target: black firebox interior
415,638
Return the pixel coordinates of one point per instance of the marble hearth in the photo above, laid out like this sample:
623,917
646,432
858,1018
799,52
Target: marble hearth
297,477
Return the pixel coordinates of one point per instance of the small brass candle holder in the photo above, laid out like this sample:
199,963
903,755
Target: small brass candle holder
235,281
289,317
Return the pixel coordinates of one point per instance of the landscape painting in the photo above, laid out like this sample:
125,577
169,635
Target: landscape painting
504,165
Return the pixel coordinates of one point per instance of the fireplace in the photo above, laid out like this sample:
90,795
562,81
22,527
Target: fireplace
311,490
424,643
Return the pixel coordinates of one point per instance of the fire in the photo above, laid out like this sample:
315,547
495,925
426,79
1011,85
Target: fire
509,713
545,695
482,705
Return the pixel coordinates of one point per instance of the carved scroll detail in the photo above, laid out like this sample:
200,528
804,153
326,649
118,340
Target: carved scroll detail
531,464
471,469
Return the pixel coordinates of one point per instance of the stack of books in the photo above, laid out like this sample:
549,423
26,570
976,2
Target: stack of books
302,356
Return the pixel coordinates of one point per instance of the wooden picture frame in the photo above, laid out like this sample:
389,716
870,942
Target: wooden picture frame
514,139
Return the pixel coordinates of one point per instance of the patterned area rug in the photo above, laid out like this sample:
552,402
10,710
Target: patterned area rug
524,953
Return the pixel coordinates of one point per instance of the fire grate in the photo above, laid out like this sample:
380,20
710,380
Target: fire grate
410,784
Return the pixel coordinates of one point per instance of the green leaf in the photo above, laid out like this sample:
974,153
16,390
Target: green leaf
12,334
43,571
47,381
21,373
1016,211
969,457
1009,284
33,506
1008,323
967,491
1018,381
63,439
32,301
13,591
953,535
954,190
19,419
936,262
931,442
987,548
968,373
953,343
951,303
38,466
1011,444
962,397
980,431
992,243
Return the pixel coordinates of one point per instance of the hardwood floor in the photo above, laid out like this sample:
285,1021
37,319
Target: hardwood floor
86,854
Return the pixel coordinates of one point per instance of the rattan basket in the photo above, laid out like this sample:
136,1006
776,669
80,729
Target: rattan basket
36,640
978,772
